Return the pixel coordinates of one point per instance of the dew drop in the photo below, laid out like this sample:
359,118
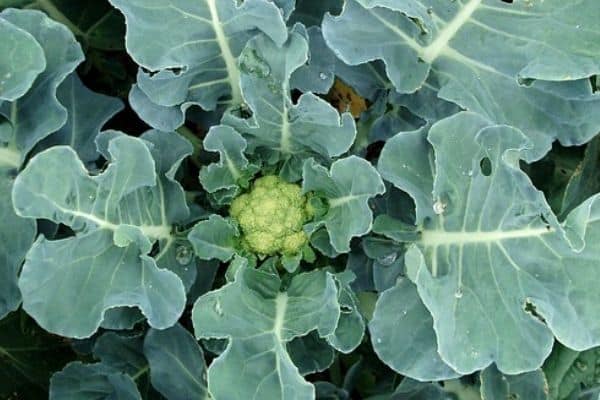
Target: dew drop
183,255
459,293
389,259
218,308
378,340
580,365
439,207
323,76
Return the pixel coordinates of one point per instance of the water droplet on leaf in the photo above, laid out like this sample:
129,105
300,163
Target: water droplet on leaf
218,309
580,365
459,293
323,76
389,259
439,207
183,255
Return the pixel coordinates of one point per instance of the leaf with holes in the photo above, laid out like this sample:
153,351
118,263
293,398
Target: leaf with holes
193,59
486,55
281,129
347,188
490,242
116,217
259,320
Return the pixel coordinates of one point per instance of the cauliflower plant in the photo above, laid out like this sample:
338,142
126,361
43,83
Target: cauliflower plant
271,217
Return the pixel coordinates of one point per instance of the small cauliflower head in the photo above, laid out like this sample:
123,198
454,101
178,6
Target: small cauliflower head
271,217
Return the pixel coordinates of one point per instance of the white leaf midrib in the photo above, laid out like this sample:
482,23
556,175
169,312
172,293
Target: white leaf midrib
436,238
230,61
430,53
10,157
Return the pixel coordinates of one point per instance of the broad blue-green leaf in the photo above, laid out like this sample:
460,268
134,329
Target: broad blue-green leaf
571,373
259,320
490,242
215,237
116,216
585,180
96,24
233,172
177,367
318,73
529,385
484,54
410,389
159,117
311,127
348,186
425,102
87,113
123,353
16,236
80,381
22,61
38,113
175,252
191,48
403,337
310,353
382,120
351,326
286,6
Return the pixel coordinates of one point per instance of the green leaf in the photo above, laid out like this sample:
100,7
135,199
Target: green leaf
351,326
123,353
26,61
348,186
310,353
570,372
38,113
434,42
496,386
80,381
177,367
318,74
233,172
490,242
403,337
16,237
28,356
87,113
259,319
311,127
585,180
115,216
203,40
215,237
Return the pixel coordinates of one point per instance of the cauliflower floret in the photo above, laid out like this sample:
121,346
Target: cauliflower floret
271,217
